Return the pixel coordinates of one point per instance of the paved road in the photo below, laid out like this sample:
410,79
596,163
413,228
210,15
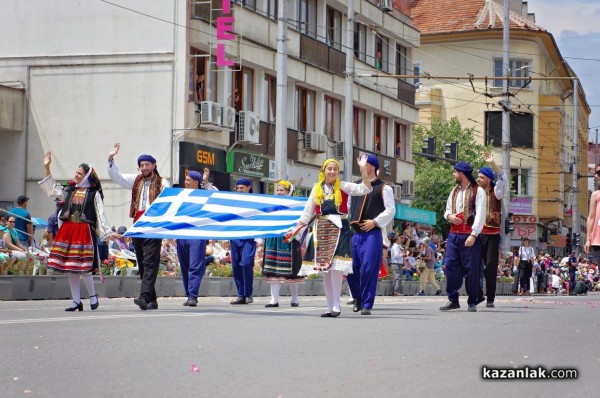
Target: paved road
406,348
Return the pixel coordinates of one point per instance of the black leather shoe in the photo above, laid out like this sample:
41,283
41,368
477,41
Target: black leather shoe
365,311
294,304
78,307
276,305
357,305
489,304
239,300
94,306
192,302
335,314
472,308
438,292
153,305
326,315
140,302
449,306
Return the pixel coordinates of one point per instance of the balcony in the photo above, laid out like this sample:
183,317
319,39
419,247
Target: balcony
406,92
321,55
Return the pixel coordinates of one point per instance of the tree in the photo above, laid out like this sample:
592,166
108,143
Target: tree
433,178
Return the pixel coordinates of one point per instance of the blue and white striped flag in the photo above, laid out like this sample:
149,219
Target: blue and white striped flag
199,214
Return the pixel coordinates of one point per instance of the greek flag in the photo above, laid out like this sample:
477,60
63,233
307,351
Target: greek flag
199,214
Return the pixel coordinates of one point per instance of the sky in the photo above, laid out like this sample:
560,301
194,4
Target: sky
575,25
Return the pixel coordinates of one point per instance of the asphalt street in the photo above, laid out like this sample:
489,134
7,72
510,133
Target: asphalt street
407,347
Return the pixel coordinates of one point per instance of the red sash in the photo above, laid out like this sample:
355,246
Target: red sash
138,214
462,229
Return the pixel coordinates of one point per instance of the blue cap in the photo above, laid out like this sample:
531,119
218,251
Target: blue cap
486,171
466,169
372,160
146,158
244,181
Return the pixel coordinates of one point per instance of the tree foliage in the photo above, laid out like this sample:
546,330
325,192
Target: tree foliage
433,178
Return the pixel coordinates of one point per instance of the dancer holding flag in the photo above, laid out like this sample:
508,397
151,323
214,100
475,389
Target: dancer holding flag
145,188
328,201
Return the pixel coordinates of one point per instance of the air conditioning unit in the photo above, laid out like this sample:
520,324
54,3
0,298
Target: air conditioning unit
228,117
386,5
248,127
315,142
339,150
208,113
408,188
397,192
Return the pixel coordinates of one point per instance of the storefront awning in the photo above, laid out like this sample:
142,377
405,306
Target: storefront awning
413,214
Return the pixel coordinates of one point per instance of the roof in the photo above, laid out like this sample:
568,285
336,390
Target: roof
454,16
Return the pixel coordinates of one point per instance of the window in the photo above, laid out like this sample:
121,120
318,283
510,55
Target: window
334,28
333,118
380,59
247,3
417,72
202,86
402,142
270,98
521,129
359,126
272,9
305,105
360,41
518,68
380,134
307,17
242,89
519,181
401,61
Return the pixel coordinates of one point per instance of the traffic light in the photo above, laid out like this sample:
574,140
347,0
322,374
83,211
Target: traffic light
429,147
576,240
508,224
451,151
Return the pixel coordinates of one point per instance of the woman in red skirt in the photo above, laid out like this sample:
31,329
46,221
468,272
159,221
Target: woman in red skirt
81,222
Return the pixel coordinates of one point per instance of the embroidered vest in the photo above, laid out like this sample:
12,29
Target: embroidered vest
136,193
367,207
468,210
326,207
492,218
87,209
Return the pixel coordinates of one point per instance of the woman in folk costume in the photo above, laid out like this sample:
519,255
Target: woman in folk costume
282,260
328,203
75,249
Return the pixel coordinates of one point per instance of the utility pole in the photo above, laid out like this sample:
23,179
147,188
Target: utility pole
282,88
575,189
506,144
348,104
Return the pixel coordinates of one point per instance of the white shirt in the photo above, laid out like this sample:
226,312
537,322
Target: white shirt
387,216
526,253
480,208
127,180
350,188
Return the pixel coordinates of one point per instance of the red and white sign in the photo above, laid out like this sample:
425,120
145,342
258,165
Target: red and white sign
525,219
525,231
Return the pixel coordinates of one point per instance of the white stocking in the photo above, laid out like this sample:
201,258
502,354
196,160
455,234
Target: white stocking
88,281
294,290
337,277
74,284
275,288
328,290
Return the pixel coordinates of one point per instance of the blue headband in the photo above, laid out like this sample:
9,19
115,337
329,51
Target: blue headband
466,169
146,158
194,175
486,171
244,181
372,160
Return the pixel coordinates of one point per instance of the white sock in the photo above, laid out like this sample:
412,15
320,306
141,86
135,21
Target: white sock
328,290
294,291
275,288
74,284
88,281
337,278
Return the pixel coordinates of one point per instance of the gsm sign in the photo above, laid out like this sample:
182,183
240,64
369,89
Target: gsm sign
205,157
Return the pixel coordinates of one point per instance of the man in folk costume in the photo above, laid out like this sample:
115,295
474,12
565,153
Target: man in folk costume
242,256
145,188
466,210
490,234
370,215
192,252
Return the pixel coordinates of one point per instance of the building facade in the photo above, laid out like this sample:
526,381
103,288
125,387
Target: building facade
465,38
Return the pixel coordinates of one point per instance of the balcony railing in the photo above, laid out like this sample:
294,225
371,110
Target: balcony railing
406,92
321,55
